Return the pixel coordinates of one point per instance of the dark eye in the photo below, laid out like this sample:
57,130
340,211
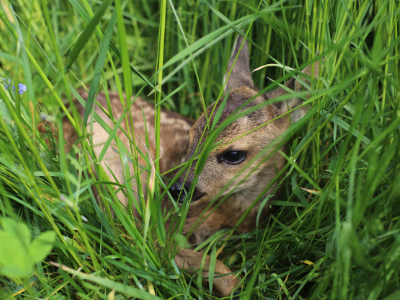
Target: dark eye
234,157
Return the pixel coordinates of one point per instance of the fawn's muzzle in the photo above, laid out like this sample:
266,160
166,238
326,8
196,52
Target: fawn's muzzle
179,193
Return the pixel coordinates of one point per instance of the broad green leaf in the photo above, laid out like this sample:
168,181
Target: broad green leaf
41,246
17,228
17,254
14,254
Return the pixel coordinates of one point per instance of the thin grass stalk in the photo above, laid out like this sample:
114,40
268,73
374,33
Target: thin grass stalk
163,15
128,95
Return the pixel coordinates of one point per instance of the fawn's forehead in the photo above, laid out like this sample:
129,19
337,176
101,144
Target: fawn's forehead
236,99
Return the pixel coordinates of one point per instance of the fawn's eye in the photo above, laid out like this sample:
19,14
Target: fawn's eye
234,157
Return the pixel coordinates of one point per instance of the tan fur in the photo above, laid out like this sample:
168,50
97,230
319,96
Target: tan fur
176,138
174,132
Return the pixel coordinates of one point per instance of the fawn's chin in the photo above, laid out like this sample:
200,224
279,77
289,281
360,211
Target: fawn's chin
194,201
199,200
206,198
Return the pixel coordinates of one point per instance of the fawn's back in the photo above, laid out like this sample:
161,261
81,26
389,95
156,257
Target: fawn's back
174,136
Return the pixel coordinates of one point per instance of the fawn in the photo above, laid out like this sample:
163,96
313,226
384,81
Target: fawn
181,135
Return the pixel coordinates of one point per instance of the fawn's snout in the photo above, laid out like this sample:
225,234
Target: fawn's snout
179,192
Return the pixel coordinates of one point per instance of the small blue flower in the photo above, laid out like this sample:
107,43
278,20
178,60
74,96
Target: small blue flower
5,81
19,166
21,88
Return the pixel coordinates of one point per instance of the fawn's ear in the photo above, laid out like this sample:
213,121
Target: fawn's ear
240,74
297,86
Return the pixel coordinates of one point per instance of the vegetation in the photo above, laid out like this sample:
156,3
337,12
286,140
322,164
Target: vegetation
335,233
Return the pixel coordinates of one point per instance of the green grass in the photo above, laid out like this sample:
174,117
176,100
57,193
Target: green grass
335,233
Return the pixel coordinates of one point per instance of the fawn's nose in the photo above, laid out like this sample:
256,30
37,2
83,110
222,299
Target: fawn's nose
178,192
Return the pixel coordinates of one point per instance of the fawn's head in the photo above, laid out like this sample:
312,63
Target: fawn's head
237,168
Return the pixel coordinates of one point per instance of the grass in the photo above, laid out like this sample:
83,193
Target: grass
335,231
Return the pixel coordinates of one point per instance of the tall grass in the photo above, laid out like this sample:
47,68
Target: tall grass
335,231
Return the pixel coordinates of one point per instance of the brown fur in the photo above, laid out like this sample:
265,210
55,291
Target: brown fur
176,138
217,173
191,260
